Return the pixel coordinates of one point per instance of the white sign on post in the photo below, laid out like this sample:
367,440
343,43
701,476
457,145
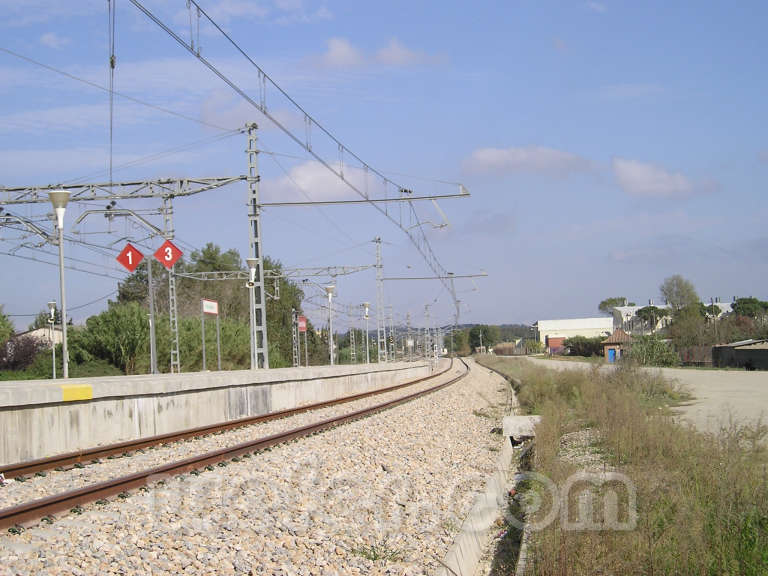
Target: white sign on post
210,307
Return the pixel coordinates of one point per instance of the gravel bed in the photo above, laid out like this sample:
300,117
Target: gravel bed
383,495
54,482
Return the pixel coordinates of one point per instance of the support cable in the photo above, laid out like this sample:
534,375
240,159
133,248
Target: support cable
112,9
420,242
106,89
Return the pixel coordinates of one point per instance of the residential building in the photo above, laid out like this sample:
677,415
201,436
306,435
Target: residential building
553,333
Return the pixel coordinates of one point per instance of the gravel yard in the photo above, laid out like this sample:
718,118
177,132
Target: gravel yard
383,495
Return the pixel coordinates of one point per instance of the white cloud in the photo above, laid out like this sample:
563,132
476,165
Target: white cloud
527,159
312,180
598,7
641,179
53,40
397,54
342,54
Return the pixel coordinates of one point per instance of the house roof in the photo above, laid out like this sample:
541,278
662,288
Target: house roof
751,343
618,337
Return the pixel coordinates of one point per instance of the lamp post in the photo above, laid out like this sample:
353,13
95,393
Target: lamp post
365,306
52,322
252,264
59,199
330,289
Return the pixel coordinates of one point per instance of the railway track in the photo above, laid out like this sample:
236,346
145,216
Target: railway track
90,455
47,507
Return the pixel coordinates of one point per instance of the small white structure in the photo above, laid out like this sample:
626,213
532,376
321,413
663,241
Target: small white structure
552,333
42,335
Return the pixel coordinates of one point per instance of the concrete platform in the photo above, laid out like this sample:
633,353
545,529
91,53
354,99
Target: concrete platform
40,418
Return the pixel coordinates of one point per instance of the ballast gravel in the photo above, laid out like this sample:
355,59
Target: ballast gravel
382,495
55,482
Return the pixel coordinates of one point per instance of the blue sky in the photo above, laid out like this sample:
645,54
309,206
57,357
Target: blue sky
606,145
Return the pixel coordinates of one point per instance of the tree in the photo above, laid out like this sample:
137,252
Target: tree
751,307
679,292
490,335
510,332
651,315
607,305
689,327
41,320
212,259
712,311
6,327
460,342
119,334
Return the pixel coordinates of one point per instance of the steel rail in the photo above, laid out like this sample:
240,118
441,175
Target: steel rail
70,459
46,507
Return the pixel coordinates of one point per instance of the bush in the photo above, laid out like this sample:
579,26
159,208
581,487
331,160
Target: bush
18,353
652,351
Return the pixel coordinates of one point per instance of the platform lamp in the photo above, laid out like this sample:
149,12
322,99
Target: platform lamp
330,290
252,264
365,306
52,322
59,199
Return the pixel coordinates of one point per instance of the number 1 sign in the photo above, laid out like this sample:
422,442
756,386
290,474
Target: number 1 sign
168,254
130,258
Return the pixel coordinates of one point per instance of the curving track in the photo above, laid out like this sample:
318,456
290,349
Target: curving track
46,507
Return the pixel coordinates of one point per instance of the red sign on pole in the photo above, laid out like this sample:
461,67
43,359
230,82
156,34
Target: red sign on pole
168,254
302,323
130,257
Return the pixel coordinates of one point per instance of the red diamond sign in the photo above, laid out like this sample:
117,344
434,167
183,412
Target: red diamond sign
168,254
130,257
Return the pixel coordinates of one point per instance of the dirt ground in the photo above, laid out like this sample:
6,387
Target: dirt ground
719,395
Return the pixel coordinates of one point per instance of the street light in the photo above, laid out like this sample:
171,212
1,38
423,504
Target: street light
59,199
365,306
252,264
330,290
52,322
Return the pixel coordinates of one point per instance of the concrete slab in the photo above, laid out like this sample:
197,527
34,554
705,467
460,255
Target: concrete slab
520,427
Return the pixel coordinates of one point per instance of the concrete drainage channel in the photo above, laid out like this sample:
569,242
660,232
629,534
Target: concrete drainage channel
476,534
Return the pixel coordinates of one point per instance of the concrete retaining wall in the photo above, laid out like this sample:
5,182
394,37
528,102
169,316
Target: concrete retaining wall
40,418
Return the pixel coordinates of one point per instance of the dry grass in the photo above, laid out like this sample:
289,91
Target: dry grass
702,500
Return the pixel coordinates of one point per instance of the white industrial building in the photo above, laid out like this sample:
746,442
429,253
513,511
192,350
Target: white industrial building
625,317
552,333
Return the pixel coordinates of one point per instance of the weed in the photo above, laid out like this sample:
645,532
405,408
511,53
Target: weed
378,552
449,526
702,499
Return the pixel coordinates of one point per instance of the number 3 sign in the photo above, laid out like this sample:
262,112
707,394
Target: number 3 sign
168,254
